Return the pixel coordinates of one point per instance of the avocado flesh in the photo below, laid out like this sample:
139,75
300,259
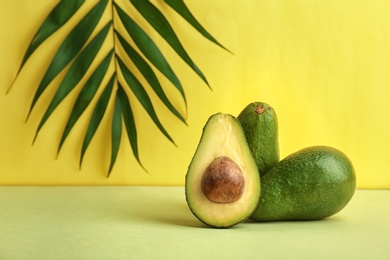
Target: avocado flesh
311,184
260,125
222,137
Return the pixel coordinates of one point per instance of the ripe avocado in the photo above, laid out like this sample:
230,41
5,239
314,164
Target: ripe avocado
260,125
313,183
222,184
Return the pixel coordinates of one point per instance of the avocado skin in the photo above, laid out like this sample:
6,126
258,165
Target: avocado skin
311,184
261,132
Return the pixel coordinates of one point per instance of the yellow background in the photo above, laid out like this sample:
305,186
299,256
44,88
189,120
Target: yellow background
323,65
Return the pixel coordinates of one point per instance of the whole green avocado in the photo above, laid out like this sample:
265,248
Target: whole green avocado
260,125
311,184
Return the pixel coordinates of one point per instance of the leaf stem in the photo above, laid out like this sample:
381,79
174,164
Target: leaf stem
114,36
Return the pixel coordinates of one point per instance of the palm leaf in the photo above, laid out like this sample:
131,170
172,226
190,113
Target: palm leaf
142,96
149,75
70,48
180,7
116,131
162,26
97,116
86,95
79,51
77,70
60,14
149,49
129,122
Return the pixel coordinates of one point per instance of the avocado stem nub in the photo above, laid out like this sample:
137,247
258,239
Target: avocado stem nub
259,109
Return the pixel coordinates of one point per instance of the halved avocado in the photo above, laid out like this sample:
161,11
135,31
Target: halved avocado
222,184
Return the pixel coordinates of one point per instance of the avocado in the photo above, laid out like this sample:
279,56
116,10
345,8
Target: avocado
260,125
313,183
222,184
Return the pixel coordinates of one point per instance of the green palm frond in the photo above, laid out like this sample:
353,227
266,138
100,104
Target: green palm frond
79,52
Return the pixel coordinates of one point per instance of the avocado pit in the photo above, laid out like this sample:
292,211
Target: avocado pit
223,181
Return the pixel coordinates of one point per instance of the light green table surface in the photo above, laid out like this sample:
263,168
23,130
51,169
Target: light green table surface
155,223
